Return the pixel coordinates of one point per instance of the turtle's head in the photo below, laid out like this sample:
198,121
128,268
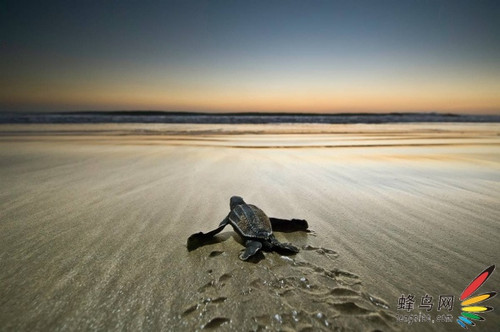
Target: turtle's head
235,201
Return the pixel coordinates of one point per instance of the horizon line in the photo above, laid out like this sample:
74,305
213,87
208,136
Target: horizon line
143,112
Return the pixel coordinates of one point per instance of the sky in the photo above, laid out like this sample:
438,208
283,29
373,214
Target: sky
251,56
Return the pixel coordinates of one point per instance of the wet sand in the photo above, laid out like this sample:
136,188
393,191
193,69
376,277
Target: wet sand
94,221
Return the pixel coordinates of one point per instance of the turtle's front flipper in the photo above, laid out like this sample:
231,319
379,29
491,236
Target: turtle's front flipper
251,249
285,225
198,239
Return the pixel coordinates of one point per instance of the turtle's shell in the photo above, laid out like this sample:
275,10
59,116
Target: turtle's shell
250,221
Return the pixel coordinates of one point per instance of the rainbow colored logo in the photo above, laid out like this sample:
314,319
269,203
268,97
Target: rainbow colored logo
470,306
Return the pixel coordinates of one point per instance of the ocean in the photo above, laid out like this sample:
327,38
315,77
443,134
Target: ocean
238,118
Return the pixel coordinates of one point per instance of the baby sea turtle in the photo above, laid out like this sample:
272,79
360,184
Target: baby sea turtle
252,224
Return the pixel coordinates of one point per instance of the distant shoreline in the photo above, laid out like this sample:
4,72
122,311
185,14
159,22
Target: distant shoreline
237,118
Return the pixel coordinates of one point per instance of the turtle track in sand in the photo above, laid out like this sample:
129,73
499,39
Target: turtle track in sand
283,293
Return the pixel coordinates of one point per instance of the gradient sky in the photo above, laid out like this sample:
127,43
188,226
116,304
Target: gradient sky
291,56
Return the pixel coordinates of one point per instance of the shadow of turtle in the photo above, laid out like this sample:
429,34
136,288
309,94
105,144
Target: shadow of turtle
256,258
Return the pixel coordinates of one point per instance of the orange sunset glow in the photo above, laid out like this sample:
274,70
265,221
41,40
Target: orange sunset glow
317,57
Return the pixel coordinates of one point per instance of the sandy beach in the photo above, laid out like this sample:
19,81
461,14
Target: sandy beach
94,221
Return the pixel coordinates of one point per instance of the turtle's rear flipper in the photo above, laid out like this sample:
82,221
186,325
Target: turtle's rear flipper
198,239
285,247
251,249
285,225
